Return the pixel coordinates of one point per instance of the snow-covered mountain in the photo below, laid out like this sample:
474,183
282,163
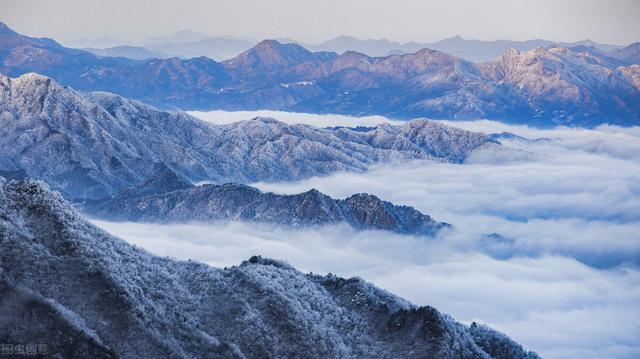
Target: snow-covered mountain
84,293
169,198
551,86
558,83
97,144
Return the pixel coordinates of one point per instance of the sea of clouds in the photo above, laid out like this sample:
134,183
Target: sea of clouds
545,244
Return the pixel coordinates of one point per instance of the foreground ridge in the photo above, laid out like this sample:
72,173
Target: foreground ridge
97,296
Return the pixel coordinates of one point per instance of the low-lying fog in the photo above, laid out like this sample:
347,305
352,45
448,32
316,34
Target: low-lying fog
562,277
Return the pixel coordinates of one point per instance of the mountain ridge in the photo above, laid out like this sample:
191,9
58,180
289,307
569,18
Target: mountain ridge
473,50
169,198
100,143
290,78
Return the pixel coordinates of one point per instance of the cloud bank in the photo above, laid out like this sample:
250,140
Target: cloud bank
546,243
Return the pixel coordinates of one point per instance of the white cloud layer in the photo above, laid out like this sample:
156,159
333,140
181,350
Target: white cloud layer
563,278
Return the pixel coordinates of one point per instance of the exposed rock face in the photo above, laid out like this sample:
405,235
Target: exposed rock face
105,298
169,198
97,144
633,74
552,86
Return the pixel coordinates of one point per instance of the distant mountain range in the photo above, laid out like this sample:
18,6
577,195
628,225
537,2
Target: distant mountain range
471,50
97,144
187,44
87,294
183,44
170,198
540,87
130,52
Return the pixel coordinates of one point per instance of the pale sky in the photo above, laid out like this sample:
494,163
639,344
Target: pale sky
609,21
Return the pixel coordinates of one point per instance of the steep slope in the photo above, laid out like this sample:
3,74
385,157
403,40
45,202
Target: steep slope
116,298
606,59
632,74
98,144
66,336
168,198
90,151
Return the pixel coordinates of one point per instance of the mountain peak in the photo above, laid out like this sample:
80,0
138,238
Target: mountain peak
276,46
32,81
453,39
32,77
268,43
270,55
512,52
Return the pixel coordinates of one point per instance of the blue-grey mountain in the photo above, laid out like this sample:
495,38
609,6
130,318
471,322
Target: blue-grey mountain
169,198
130,52
542,87
629,54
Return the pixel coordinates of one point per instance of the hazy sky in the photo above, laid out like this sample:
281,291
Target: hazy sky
612,21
